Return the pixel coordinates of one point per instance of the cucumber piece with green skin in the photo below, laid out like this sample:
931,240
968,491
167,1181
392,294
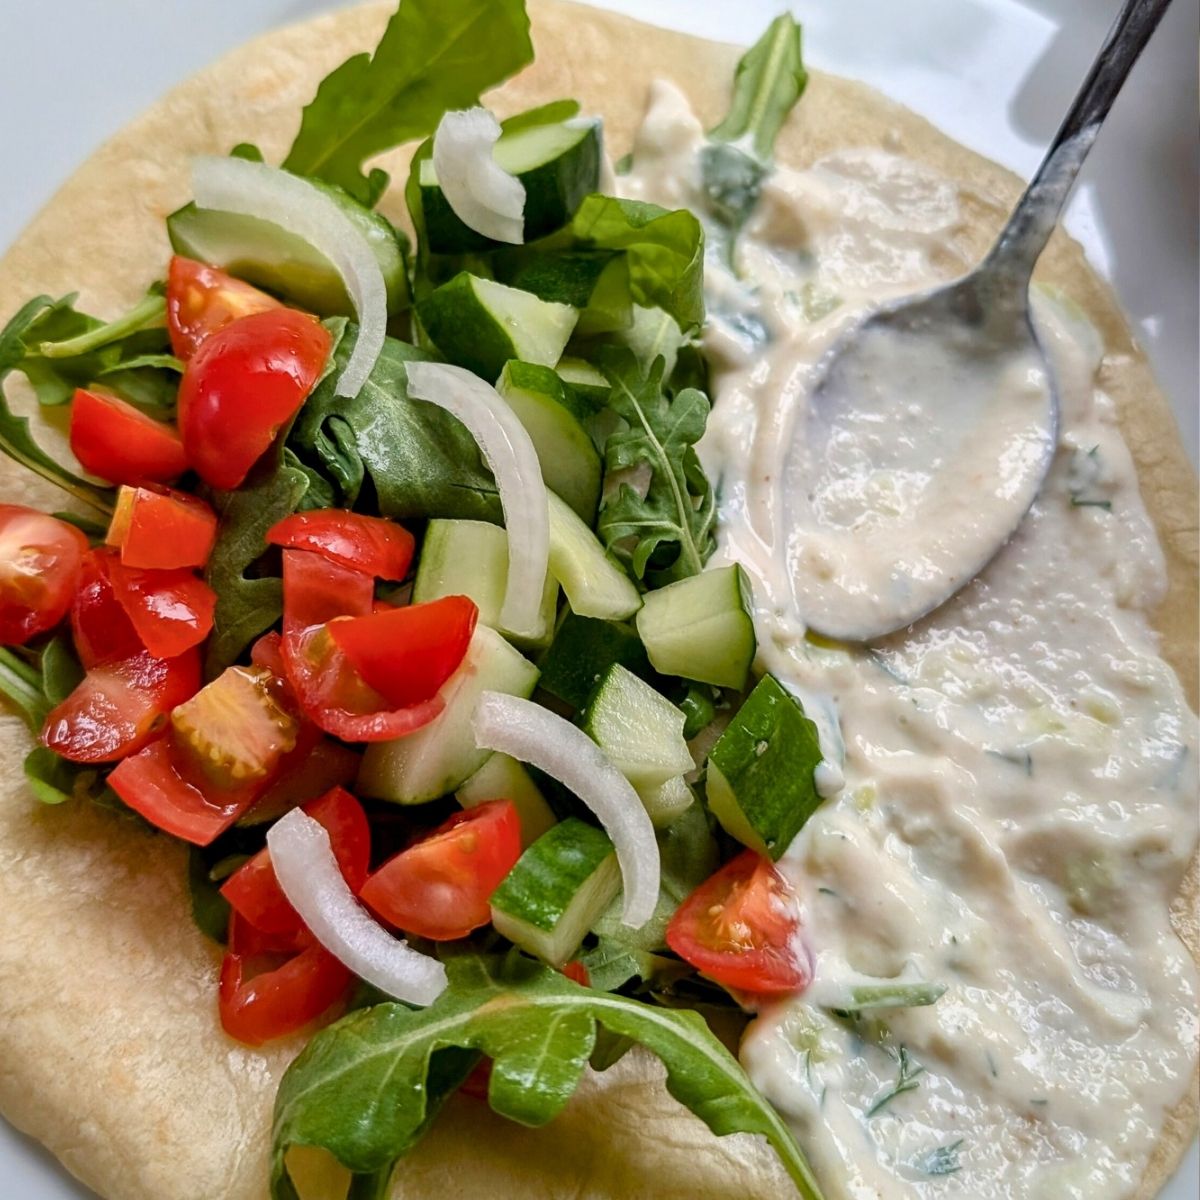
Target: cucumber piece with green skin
480,324
700,628
503,778
557,163
594,584
760,770
559,886
470,558
594,281
588,386
272,257
583,650
667,801
570,465
438,757
639,729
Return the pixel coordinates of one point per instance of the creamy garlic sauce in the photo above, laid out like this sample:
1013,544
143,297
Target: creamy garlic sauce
1012,782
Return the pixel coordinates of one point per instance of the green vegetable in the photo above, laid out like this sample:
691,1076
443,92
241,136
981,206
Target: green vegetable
611,964
368,1087
210,910
21,685
420,461
891,995
664,252
504,777
699,709
434,55
595,585
667,534
583,650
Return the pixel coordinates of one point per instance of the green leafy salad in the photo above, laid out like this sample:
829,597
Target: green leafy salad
384,587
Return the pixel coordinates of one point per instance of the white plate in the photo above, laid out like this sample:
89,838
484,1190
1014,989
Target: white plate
995,74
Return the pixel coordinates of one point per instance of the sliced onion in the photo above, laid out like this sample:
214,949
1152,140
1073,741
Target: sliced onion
312,881
509,453
533,734
253,189
483,195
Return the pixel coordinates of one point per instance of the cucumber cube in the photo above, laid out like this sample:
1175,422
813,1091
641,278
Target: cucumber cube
503,778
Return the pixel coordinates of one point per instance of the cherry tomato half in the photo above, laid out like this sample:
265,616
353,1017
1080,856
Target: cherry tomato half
172,611
158,528
120,706
242,384
738,928
203,299
120,443
40,562
254,891
101,628
439,887
379,547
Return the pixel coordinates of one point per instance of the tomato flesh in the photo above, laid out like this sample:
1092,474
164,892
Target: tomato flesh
439,887
100,627
242,384
406,654
203,299
329,764
120,443
253,889
159,529
119,707
172,611
41,559
379,547
738,928
283,996
316,590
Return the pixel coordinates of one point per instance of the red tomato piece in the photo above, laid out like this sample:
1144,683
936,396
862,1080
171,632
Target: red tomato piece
102,631
172,611
316,589
283,997
242,385
121,706
379,547
120,443
160,529
157,784
268,652
254,891
439,887
41,559
406,654
203,299
576,972
476,1084
738,928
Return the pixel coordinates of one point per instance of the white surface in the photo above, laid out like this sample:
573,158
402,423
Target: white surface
996,74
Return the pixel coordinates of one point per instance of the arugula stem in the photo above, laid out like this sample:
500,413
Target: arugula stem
22,685
150,311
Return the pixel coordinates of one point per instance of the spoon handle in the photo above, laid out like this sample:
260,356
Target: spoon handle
1024,237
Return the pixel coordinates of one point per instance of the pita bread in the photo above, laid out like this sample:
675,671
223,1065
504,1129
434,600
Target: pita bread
110,1051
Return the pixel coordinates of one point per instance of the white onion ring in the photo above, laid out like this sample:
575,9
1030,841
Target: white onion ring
482,194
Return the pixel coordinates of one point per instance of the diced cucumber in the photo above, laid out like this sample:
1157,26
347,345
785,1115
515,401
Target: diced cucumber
557,163
503,778
556,890
640,730
700,628
594,281
439,756
588,385
570,465
470,558
665,802
594,584
272,257
480,324
760,770
581,653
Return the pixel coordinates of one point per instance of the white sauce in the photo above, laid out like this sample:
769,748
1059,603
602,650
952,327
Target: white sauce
1020,770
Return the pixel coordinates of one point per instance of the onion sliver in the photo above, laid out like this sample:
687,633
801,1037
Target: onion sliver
253,189
313,883
533,734
482,194
509,453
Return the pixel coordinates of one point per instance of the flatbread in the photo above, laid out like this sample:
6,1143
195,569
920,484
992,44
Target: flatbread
110,1051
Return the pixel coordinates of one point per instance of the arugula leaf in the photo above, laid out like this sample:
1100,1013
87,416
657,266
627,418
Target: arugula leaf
667,534
16,440
21,685
434,55
367,1087
210,910
419,460
664,252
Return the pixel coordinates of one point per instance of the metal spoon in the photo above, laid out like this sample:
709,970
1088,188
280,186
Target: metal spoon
935,421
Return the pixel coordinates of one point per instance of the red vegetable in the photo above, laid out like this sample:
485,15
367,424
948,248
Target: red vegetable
101,628
157,528
439,887
738,928
172,611
203,299
379,547
242,384
41,559
120,443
